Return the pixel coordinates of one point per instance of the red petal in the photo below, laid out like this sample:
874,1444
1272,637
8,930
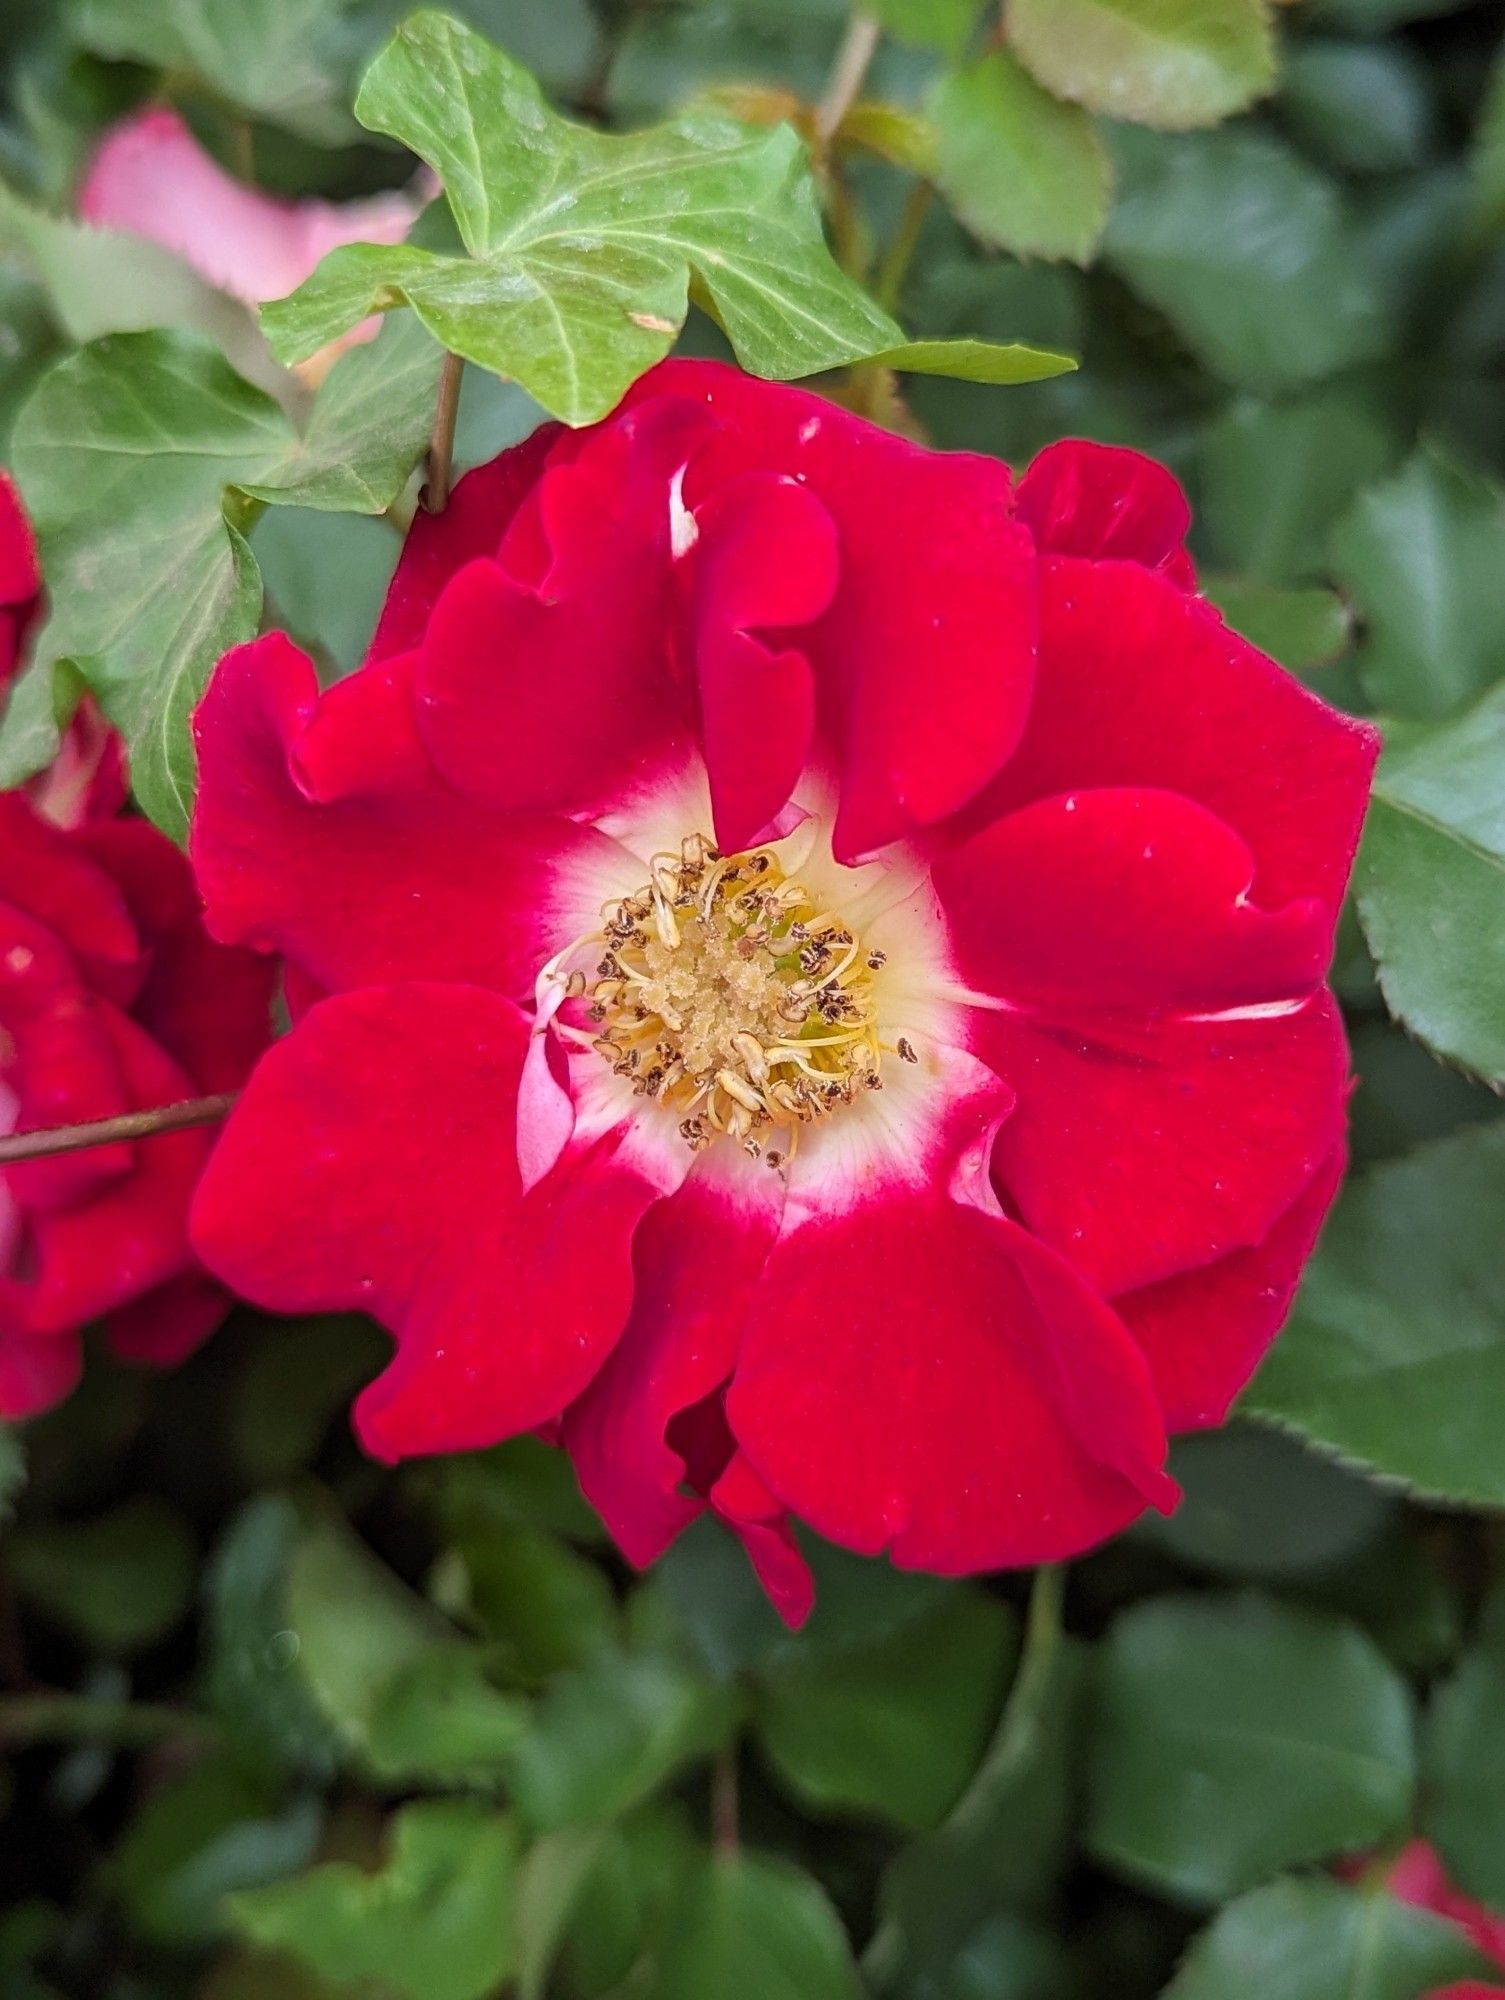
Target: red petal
696,1262
372,1163
1142,1152
37,1371
354,886
20,573
925,658
1081,499
473,524
1140,684
132,1235
762,1526
1100,901
923,1376
52,875
209,1005
1204,1333
164,1328
545,678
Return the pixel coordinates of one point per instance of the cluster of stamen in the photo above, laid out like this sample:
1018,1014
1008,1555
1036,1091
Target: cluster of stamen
723,992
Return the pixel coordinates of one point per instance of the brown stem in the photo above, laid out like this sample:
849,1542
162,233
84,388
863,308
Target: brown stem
858,46
895,264
109,1131
442,444
725,1810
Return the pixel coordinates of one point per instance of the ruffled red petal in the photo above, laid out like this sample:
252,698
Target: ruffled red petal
1101,500
372,1163
358,883
1141,684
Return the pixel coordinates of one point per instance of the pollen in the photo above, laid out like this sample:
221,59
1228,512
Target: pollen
724,992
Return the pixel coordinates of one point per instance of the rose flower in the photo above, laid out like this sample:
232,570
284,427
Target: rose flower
112,1000
809,959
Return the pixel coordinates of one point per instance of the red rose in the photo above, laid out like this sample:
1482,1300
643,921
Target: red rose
112,999
824,955
20,580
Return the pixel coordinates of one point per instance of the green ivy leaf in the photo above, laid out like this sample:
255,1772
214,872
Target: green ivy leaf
1238,1736
1423,554
1430,884
98,281
582,245
1314,1940
277,59
1247,251
1172,63
892,1727
435,1924
753,1927
1395,1354
138,457
1021,169
1465,1763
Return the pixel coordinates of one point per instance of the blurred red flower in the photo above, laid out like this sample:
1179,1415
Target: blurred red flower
823,950
112,999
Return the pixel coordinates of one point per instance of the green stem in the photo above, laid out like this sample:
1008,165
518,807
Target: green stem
442,444
896,259
74,1718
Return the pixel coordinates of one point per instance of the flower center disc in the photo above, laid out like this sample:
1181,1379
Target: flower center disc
727,995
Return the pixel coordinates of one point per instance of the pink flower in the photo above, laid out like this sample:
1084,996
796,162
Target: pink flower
811,957
151,177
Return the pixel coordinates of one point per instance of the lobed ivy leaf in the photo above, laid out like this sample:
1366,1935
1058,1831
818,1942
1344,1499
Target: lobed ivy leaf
1395,1354
1315,1940
1171,63
1239,1736
1022,170
583,249
141,458
1430,884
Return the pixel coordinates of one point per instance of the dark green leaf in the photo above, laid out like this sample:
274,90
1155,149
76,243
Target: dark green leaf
1006,1838
1361,106
1465,1764
581,245
753,1927
1021,169
606,1734
214,1829
1313,1940
300,1372
12,1471
274,58
1277,475
435,1924
1238,1736
554,1873
1423,555
1246,250
1306,630
1395,1354
133,456
1430,885
543,1606
894,1727
120,1579
1172,63
438,1720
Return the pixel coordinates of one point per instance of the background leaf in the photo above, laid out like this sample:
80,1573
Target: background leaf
1172,63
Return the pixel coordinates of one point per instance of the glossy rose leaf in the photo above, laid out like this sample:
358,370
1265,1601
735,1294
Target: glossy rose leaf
1464,1764
1236,1736
1395,1353
1171,63
142,458
1430,884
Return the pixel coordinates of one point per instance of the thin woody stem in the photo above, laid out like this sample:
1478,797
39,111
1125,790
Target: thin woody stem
110,1131
725,1809
442,444
858,47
